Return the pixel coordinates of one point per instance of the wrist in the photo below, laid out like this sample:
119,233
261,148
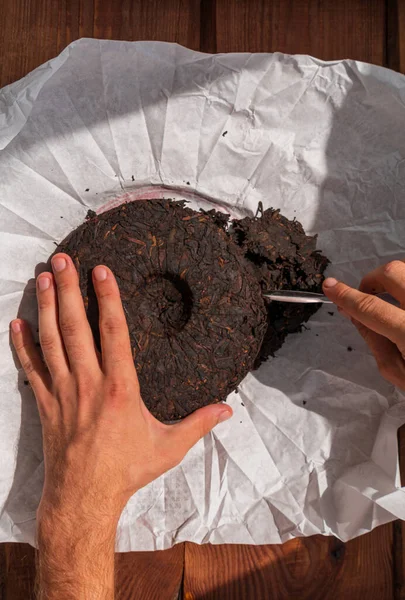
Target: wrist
73,514
75,553
64,527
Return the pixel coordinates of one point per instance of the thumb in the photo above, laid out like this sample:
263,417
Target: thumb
199,423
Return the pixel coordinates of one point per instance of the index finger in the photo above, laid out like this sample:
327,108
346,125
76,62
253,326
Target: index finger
114,336
374,313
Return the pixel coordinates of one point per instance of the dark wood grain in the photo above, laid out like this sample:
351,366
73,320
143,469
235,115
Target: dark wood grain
400,14
139,575
17,572
33,31
324,28
208,26
169,20
28,35
149,575
315,568
392,58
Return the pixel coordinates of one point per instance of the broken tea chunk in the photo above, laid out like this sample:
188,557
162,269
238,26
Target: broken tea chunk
284,258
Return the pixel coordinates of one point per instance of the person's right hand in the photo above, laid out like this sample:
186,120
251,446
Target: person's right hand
381,324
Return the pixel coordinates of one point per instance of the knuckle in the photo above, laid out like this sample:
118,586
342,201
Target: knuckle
19,345
45,301
107,291
28,366
367,304
64,284
112,325
47,342
116,390
342,293
68,327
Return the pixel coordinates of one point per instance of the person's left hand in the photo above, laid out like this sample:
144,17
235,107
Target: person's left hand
101,444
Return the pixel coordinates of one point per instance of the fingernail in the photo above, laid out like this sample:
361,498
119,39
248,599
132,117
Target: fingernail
58,264
224,416
16,326
43,283
330,282
100,274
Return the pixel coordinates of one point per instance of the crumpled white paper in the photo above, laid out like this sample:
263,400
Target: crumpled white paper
312,446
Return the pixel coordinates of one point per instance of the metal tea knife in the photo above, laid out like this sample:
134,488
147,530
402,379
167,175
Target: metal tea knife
311,298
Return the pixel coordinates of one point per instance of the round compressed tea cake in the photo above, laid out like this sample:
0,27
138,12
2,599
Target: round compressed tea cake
194,308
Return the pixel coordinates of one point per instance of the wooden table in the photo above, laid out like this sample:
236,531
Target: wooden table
31,32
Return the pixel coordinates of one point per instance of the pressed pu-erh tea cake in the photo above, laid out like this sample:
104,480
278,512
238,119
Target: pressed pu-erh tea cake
194,309
192,293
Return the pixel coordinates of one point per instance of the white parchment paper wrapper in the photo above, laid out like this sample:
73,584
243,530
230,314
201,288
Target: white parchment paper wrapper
312,446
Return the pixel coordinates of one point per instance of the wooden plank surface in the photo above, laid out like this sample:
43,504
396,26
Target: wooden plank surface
17,572
139,575
400,16
149,575
314,568
395,15
33,31
323,28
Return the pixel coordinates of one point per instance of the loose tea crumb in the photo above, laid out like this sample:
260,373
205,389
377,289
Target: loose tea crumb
224,134
304,402
133,178
349,349
91,214
242,404
331,313
87,190
26,382
187,183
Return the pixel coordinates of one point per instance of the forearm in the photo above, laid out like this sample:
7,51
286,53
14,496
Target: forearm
75,559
